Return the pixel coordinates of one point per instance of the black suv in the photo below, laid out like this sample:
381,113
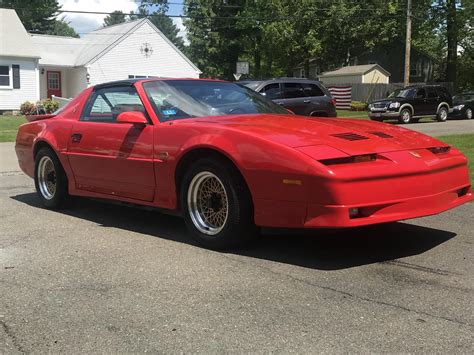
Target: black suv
413,102
301,96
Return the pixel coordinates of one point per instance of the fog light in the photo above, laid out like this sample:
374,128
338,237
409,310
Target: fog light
353,212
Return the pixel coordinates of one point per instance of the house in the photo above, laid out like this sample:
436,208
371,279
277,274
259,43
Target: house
356,74
19,63
64,66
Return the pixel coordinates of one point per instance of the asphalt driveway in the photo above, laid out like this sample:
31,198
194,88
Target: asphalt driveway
100,277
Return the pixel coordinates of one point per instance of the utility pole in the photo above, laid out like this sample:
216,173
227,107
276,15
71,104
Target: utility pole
406,79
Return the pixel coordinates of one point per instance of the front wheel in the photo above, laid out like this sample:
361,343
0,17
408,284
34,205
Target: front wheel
405,116
442,114
216,204
50,179
469,113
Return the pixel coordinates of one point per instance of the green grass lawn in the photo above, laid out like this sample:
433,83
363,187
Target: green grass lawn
9,126
353,114
464,143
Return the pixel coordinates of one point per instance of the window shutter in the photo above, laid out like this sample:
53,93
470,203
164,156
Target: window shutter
16,76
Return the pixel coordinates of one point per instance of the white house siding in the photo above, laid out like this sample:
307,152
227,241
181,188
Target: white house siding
76,81
126,59
341,79
11,99
375,77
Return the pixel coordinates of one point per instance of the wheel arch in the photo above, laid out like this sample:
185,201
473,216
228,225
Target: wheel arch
192,155
407,106
441,104
39,144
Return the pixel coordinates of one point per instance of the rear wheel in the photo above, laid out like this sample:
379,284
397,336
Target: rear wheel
469,113
442,115
216,204
405,116
50,179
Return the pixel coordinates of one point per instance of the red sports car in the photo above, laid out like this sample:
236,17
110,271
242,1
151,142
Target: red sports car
227,159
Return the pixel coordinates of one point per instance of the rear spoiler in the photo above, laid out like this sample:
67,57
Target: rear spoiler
32,118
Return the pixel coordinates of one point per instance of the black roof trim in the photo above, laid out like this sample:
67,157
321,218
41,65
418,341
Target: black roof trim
127,82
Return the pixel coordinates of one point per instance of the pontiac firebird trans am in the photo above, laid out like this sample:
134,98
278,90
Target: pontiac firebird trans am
228,159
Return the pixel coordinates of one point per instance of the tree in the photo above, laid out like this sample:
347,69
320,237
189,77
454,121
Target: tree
36,15
157,17
61,28
114,18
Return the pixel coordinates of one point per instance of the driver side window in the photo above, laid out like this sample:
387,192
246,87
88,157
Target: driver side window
420,94
104,105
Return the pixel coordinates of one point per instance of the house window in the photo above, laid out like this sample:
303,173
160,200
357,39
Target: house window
4,75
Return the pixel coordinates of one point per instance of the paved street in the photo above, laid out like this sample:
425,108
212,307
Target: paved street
434,128
101,277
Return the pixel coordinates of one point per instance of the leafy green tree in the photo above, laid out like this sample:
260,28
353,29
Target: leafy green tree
114,18
36,15
61,28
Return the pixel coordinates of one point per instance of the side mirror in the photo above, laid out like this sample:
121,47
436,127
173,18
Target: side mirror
136,118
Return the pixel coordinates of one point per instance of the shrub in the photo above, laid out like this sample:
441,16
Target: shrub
28,108
358,106
49,105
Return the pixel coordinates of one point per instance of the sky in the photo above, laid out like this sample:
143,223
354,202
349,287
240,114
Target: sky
84,23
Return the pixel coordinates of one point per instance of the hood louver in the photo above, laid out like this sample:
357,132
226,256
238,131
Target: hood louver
381,134
349,136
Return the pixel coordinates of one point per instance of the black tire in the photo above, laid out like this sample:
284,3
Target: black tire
60,196
442,114
238,227
469,113
405,116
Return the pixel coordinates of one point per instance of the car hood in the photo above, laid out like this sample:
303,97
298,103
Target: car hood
393,99
348,135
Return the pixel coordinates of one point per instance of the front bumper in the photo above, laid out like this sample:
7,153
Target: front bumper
401,185
383,114
338,216
457,113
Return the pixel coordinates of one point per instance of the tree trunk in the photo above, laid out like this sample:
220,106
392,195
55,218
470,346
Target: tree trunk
452,39
257,58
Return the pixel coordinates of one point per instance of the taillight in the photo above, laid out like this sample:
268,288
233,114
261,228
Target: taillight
349,160
439,150
333,101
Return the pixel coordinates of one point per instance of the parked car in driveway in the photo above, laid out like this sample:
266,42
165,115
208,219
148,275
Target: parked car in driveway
413,102
463,105
301,96
228,160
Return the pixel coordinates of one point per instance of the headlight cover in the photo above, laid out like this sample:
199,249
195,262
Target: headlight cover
394,105
458,107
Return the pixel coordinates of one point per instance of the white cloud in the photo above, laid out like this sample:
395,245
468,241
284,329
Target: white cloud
84,23
178,21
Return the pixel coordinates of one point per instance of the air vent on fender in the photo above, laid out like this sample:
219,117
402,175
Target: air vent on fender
381,134
349,136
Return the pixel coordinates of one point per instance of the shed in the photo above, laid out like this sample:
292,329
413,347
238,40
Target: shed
356,74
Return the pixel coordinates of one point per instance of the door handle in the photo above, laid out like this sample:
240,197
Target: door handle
76,137
306,101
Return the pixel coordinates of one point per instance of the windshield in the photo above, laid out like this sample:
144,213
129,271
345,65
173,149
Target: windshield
180,99
463,98
405,93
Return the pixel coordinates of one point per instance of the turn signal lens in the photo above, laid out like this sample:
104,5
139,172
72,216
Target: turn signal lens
348,160
353,212
439,150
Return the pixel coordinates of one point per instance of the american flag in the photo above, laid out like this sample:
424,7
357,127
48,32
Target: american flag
342,95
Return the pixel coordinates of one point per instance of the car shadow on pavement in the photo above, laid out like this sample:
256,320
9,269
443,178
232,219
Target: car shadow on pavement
316,249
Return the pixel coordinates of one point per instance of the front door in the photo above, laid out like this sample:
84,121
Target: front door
53,83
108,157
